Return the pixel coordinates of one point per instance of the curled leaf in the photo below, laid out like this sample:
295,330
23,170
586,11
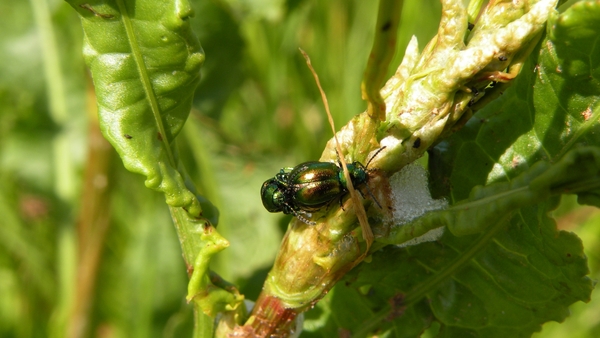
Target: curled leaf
145,62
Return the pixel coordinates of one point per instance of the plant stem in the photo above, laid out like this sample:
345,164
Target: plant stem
93,224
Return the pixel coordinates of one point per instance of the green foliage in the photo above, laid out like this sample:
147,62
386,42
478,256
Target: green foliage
256,109
507,279
142,59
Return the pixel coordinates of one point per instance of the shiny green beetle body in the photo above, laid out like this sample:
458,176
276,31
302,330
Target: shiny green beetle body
313,185
308,187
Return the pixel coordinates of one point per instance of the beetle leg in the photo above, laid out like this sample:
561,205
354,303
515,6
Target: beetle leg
304,220
298,213
372,196
342,204
361,193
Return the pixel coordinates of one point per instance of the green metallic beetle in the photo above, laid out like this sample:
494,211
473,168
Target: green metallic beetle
310,186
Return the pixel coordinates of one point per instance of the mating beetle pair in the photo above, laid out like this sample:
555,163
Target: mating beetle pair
310,186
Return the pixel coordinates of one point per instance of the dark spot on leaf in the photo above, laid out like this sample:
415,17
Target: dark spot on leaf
386,26
568,255
587,114
127,136
470,26
344,333
397,306
159,136
417,143
33,207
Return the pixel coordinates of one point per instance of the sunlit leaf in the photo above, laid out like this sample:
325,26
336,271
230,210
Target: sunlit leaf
520,271
145,62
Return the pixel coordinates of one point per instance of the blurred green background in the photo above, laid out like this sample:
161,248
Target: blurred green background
87,250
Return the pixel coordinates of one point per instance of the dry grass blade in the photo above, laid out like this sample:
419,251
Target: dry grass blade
360,210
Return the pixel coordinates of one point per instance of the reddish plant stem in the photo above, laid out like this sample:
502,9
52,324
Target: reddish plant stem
271,318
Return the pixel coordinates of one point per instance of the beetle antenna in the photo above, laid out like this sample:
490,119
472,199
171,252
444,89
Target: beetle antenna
376,153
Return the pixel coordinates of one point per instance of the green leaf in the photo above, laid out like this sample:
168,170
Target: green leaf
145,62
510,278
524,276
504,270
354,310
545,113
388,20
578,172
